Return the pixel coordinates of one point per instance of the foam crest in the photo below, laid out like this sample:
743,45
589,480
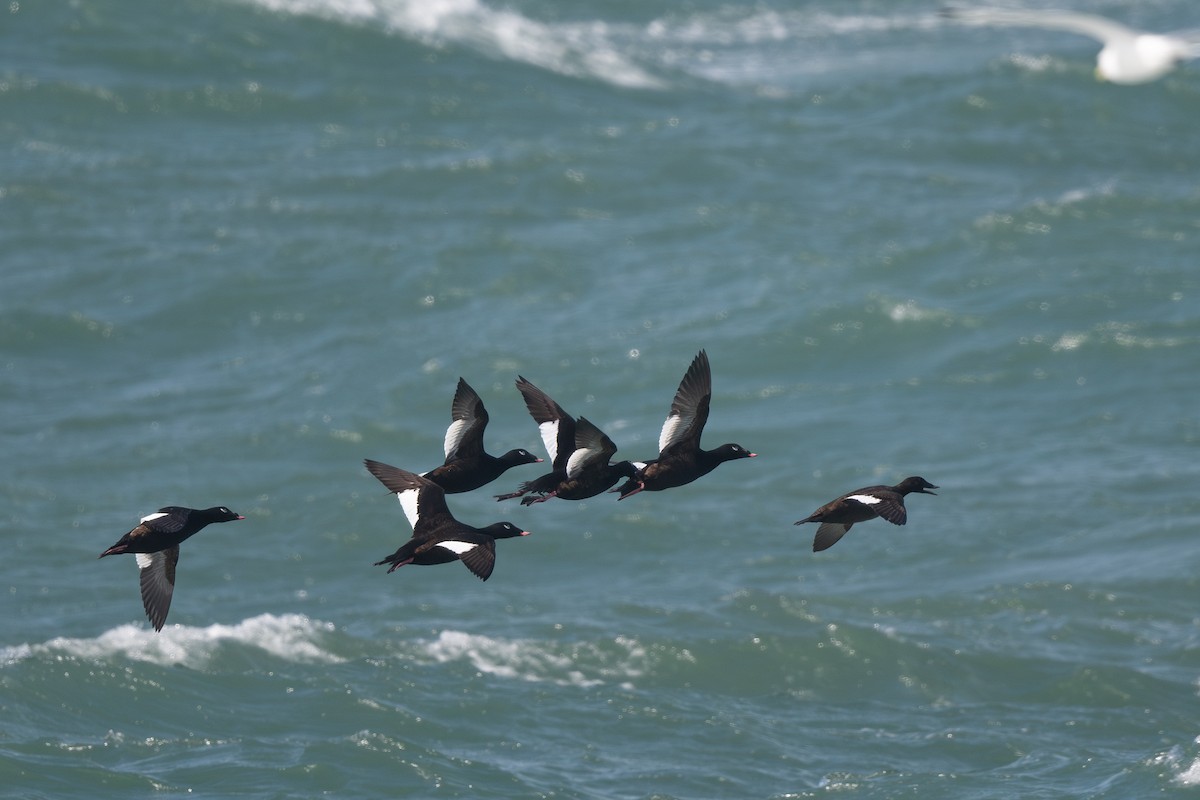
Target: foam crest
911,311
1191,775
1175,760
578,664
733,25
736,45
1121,334
576,49
290,636
732,45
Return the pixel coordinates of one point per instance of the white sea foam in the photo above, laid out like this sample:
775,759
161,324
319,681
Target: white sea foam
1123,334
737,25
723,46
1069,341
737,45
577,664
1191,775
288,636
1185,773
911,311
577,49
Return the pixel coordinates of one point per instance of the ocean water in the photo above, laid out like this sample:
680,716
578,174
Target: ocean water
246,243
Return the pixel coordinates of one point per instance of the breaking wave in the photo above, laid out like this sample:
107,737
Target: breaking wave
572,664
293,637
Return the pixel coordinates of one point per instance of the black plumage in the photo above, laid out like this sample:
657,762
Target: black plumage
438,538
838,516
589,470
557,429
681,459
155,542
468,465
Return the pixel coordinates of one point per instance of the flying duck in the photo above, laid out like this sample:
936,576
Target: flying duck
588,471
155,543
438,538
681,460
557,428
468,466
838,516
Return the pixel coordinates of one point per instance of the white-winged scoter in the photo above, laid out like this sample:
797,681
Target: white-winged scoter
681,460
589,470
557,429
155,543
838,516
438,538
468,466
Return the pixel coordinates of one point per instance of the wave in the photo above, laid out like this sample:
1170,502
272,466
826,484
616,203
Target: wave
1038,216
1184,772
576,49
1191,775
1121,334
292,637
575,664
749,45
737,45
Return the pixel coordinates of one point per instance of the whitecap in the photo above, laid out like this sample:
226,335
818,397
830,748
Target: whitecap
578,664
771,48
1069,341
292,637
582,49
1191,775
911,311
1122,334
1173,759
902,311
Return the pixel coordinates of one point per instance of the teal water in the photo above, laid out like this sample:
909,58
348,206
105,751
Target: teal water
244,245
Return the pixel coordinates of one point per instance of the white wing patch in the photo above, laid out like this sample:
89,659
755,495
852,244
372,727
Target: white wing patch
549,431
408,501
865,499
156,579
577,459
156,565
154,516
672,429
454,435
456,547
